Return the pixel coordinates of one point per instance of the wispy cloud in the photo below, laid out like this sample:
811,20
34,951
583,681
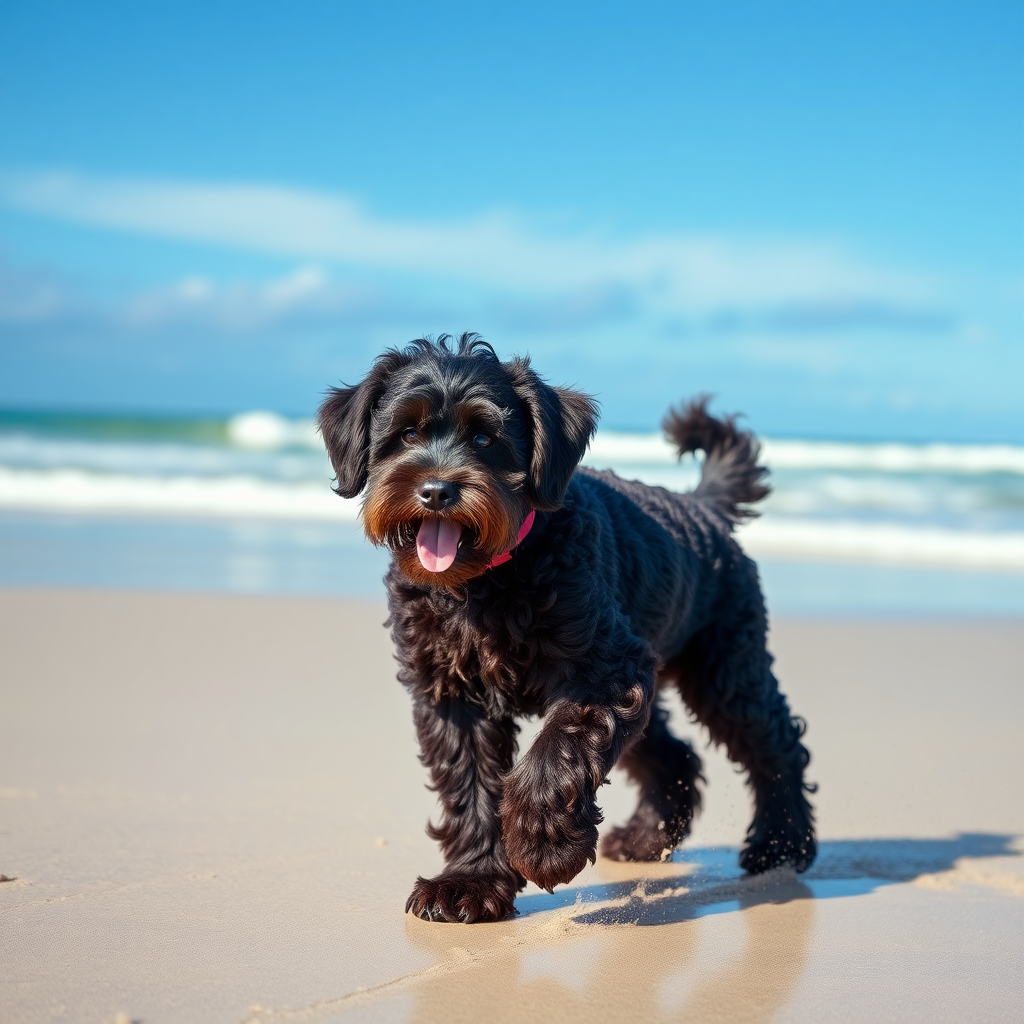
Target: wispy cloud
307,295
304,293
501,252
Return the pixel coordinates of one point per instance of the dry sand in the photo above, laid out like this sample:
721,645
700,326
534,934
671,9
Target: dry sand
212,811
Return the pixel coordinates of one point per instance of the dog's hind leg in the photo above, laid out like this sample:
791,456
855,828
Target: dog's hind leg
725,677
667,771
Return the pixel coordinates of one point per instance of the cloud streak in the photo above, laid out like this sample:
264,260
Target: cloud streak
499,252
306,293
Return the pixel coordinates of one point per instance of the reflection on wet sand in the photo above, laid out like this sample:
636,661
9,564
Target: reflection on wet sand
586,962
687,940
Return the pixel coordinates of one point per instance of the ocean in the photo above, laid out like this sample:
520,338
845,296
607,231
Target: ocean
244,504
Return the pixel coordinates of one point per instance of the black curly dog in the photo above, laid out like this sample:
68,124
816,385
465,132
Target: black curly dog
613,588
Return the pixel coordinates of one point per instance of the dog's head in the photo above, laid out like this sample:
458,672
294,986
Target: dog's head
454,449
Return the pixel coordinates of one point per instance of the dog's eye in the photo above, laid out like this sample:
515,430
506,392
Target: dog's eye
481,440
410,434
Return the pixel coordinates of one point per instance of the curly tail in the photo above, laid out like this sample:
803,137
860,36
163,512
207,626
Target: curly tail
731,478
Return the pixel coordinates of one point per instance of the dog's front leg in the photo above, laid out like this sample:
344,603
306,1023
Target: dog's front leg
549,812
468,756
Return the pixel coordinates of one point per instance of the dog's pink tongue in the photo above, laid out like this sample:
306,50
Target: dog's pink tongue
437,543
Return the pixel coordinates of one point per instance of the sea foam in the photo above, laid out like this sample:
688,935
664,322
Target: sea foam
934,504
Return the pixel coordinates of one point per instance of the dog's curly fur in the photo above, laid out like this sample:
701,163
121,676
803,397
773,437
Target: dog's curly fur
618,589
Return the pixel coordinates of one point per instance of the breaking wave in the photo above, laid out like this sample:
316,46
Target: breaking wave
928,504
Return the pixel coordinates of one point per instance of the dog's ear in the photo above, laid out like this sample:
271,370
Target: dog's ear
561,423
343,420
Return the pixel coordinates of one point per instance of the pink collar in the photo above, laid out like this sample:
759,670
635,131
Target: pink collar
506,556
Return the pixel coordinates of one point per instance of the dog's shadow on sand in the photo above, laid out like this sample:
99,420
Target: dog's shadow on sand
577,955
713,884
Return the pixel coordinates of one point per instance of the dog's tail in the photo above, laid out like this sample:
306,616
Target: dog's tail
731,479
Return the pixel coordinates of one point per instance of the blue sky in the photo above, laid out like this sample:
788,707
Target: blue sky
815,211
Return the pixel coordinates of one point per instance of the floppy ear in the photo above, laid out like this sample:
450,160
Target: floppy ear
343,420
561,423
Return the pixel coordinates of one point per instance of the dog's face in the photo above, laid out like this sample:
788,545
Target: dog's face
454,449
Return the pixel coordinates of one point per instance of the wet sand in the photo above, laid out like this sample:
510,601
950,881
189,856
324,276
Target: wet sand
212,810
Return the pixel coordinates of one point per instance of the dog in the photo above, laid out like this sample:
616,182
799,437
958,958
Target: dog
522,584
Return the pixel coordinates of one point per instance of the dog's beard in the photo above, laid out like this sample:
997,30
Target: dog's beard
447,548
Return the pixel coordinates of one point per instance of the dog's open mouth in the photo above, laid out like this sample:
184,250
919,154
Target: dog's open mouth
438,542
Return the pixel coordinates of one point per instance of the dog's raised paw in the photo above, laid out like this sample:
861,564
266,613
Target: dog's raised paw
548,864
462,898
549,846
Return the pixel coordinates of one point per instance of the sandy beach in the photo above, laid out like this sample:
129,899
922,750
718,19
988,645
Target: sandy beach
211,810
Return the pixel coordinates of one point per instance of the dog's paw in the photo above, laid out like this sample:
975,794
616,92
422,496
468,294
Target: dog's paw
462,898
637,843
549,844
772,850
547,856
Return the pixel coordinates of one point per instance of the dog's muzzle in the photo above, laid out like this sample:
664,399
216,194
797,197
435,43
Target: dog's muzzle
437,540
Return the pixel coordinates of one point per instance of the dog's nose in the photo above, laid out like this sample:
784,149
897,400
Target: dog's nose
437,494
